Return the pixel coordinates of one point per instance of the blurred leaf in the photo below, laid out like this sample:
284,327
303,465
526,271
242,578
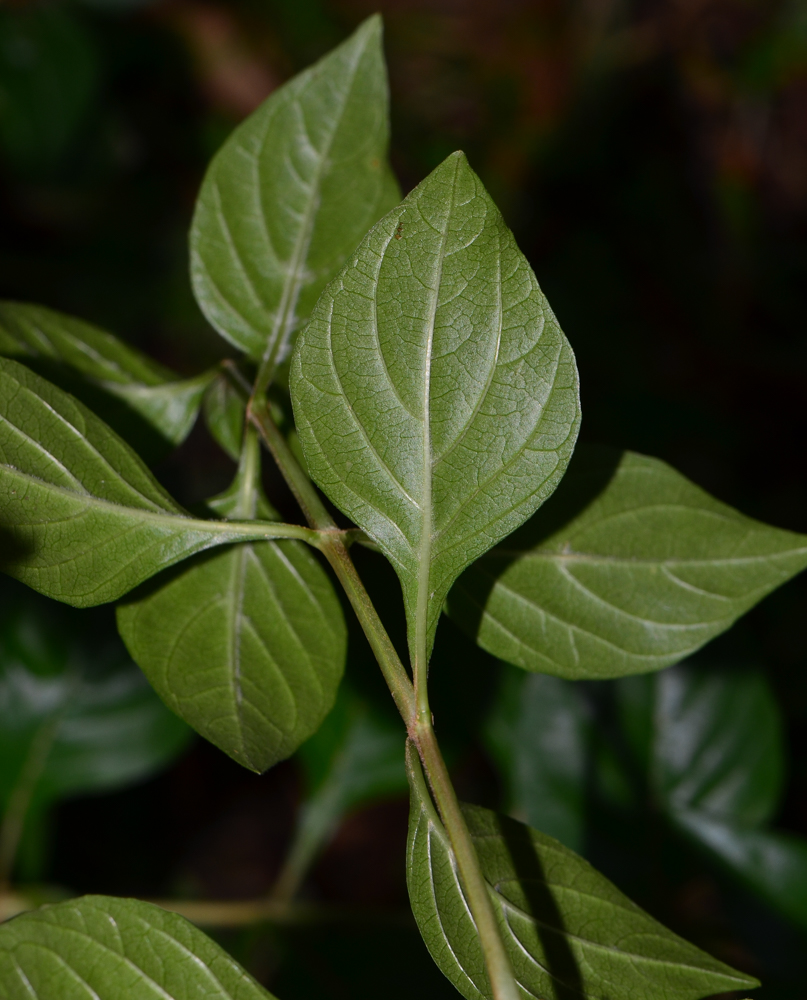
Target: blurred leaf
355,756
168,405
717,771
772,864
247,645
718,745
629,568
115,949
538,735
82,518
75,716
567,930
225,411
434,393
48,74
291,193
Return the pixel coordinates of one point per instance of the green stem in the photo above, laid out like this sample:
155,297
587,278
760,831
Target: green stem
500,971
331,544
19,801
414,707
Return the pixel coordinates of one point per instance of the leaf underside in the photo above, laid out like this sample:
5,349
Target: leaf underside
628,569
115,949
567,930
33,333
82,519
247,645
434,393
291,193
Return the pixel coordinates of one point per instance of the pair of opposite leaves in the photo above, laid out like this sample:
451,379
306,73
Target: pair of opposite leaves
437,404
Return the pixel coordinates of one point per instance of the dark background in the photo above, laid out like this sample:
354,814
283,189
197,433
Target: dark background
651,158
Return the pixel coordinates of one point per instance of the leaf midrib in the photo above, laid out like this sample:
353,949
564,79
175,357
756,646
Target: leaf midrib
294,279
424,553
237,528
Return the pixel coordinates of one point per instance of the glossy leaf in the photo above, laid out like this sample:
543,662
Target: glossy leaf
354,757
225,412
115,949
76,715
771,864
716,769
434,393
567,930
538,735
629,569
291,193
168,405
81,517
247,645
718,746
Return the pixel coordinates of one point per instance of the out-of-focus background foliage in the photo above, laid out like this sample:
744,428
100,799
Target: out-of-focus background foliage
651,158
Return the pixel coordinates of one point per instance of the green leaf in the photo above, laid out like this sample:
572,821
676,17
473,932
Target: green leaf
567,930
718,745
81,517
630,568
167,405
538,734
717,771
434,393
247,645
225,412
771,864
290,194
353,758
115,949
106,726
76,716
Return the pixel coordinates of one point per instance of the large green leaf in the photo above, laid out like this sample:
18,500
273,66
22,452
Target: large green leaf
100,948
770,863
717,745
291,193
168,405
76,715
538,734
716,769
247,645
567,930
630,568
81,517
435,395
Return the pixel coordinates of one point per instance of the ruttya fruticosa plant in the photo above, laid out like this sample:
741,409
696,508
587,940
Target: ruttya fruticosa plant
435,405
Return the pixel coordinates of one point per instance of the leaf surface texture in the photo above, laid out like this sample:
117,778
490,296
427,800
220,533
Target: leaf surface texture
100,948
291,193
630,568
434,393
81,517
567,930
247,644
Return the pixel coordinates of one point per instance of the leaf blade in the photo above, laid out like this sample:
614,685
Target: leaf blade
557,947
648,570
82,517
434,394
169,405
115,949
290,195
